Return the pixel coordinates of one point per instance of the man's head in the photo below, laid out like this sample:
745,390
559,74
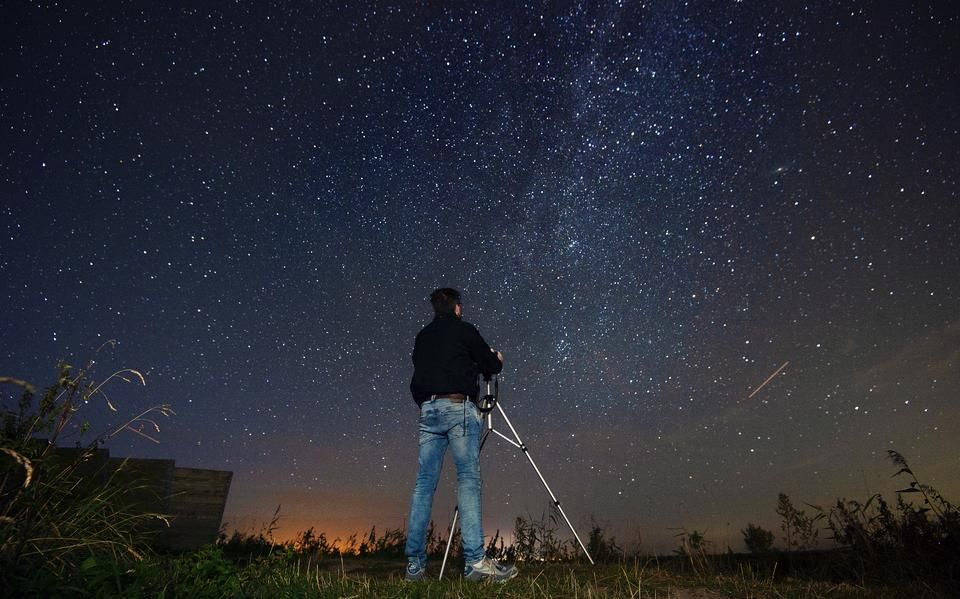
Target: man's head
446,301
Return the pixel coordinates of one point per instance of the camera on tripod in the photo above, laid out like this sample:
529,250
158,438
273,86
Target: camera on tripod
488,400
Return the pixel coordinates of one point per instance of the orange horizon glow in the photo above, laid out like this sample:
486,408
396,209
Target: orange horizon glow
291,530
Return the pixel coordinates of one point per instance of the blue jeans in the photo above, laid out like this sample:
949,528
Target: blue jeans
458,425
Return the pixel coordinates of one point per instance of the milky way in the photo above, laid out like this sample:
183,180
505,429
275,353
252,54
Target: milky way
649,208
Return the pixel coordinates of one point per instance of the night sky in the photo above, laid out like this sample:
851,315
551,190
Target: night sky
649,208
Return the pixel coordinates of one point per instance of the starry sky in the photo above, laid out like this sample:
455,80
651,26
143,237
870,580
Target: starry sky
650,208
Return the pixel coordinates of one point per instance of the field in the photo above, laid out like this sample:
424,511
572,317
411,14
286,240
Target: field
62,535
209,574
635,580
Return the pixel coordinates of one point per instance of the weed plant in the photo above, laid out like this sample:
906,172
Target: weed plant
906,541
53,517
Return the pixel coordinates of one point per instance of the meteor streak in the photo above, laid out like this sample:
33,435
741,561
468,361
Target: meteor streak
769,378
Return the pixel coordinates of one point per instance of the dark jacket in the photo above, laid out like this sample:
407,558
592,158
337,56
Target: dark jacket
447,356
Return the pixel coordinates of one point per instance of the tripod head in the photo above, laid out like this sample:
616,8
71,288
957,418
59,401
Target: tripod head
488,400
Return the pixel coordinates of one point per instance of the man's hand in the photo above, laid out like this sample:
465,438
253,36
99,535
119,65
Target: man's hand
499,354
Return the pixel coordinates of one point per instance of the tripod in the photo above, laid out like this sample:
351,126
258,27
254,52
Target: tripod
486,405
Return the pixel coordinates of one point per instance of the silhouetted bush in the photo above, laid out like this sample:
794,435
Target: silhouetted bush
538,540
757,540
602,549
390,544
799,530
693,551
920,542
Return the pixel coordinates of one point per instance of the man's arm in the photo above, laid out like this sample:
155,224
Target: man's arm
488,361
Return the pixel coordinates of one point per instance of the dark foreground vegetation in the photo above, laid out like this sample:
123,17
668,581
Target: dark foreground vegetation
62,536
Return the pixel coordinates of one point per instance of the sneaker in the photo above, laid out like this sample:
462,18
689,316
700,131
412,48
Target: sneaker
489,569
414,572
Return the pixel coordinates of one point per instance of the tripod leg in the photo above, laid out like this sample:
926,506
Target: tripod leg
556,503
456,512
446,553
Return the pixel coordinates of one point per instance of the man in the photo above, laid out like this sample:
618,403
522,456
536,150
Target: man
447,356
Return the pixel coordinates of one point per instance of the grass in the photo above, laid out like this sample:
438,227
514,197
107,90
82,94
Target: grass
208,574
284,576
